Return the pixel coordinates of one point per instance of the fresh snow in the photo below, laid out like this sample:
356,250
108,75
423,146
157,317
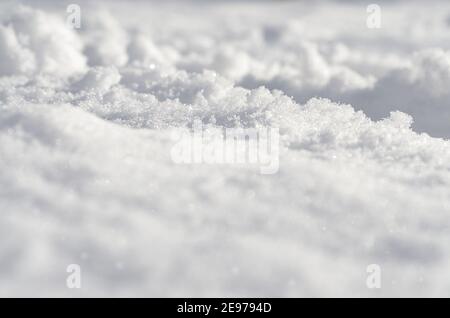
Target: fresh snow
86,124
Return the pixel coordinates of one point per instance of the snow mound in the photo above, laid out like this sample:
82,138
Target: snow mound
106,41
32,41
86,124
98,170
98,78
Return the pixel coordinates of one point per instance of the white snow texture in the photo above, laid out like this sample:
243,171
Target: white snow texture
87,178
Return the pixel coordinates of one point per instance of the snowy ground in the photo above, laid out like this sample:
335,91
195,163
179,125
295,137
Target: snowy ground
87,176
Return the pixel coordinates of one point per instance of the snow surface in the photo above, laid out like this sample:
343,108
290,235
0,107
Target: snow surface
87,178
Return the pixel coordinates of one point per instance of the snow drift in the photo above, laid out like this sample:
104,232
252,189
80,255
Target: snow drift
85,133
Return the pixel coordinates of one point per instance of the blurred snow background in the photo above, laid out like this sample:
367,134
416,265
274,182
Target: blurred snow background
87,178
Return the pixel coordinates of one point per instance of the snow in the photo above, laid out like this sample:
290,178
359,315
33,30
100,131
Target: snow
87,119
33,42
